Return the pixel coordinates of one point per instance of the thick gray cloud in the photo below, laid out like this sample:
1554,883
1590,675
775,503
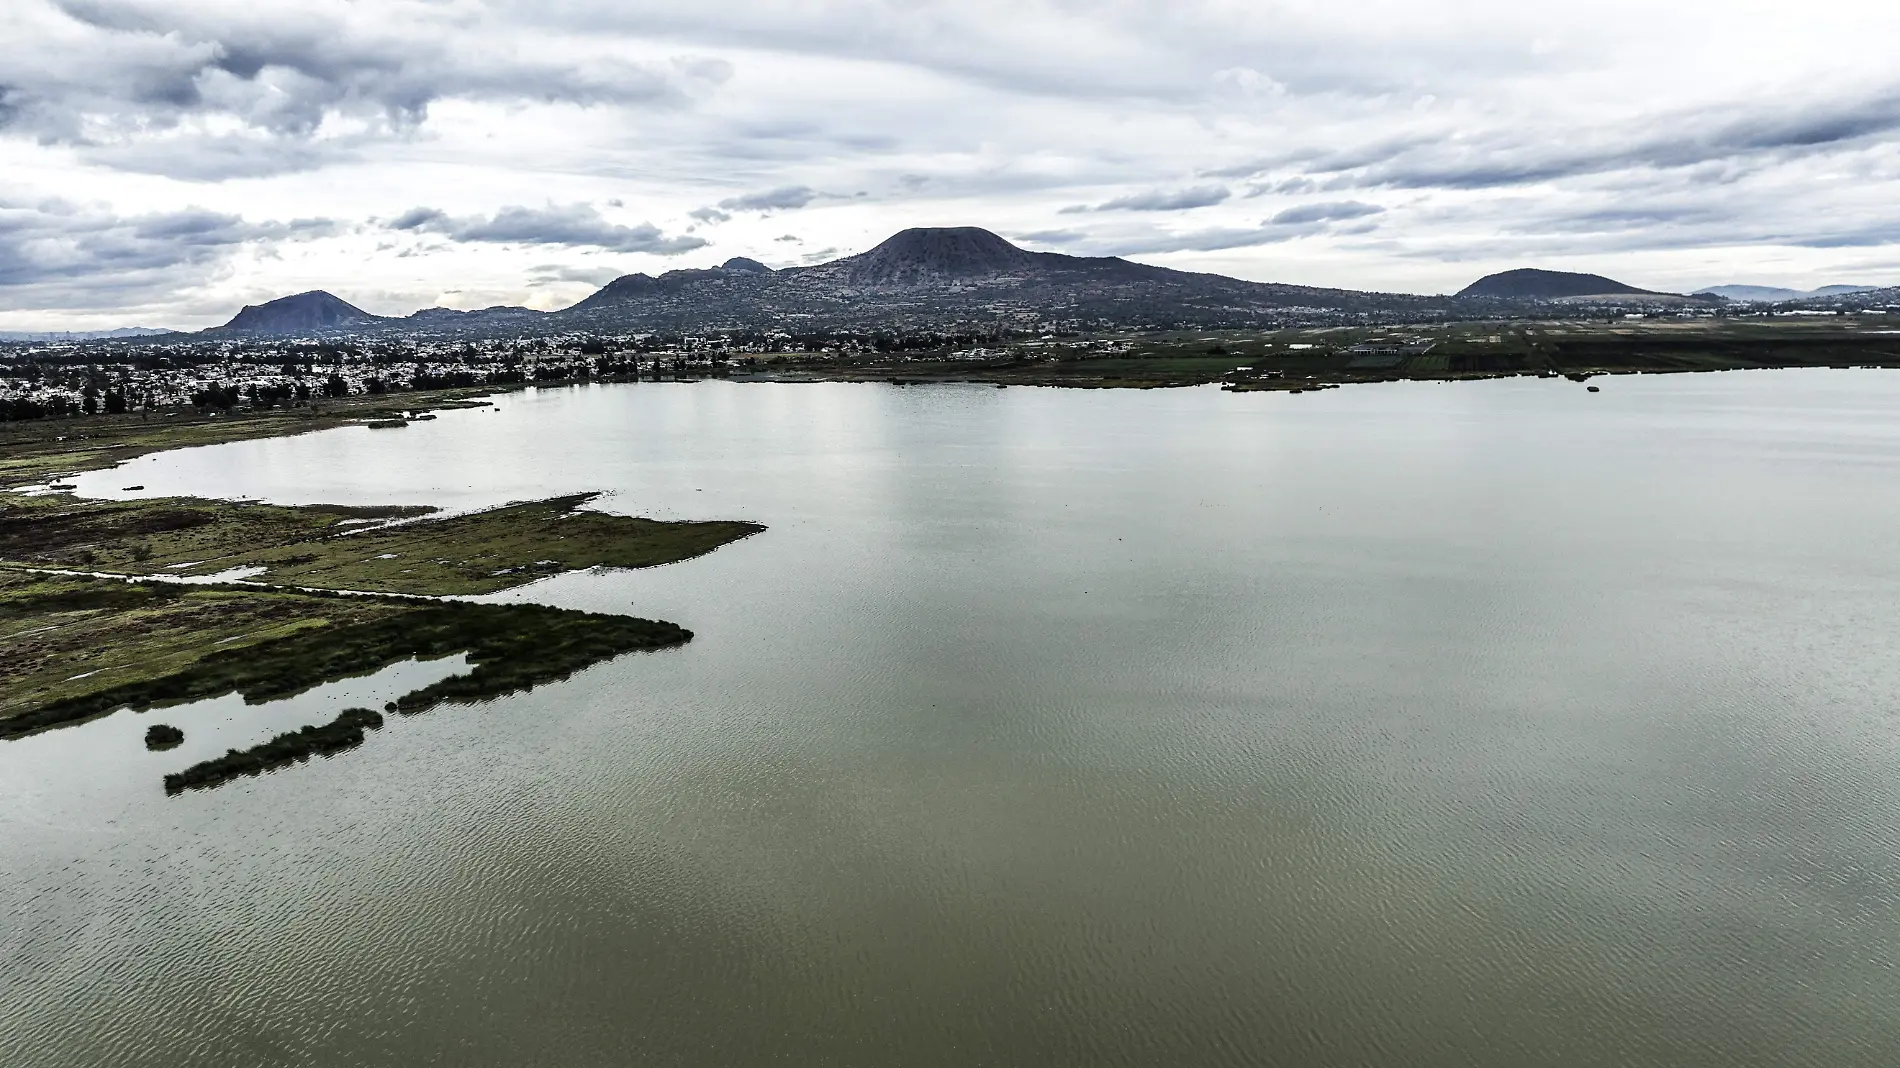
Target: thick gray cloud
555,273
1058,238
1320,213
1672,141
573,224
59,251
784,198
1287,226
1337,218
1370,143
1200,196
129,69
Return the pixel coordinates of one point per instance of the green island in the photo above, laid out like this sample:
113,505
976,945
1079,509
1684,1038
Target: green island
162,736
89,624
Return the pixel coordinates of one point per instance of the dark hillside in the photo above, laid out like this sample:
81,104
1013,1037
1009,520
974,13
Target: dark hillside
1529,283
304,313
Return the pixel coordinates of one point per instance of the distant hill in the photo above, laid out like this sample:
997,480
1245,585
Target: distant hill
956,278
1777,294
452,316
305,313
959,279
938,255
1764,294
81,335
1529,283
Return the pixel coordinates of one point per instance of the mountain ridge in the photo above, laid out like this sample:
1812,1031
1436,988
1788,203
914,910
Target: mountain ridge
313,310
1778,294
937,279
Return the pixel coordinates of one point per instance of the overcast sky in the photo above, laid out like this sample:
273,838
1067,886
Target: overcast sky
163,162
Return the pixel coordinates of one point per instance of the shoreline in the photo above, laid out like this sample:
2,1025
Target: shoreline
100,610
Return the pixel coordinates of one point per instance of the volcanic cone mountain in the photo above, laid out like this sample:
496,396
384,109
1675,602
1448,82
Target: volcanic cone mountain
950,278
1529,283
304,313
935,256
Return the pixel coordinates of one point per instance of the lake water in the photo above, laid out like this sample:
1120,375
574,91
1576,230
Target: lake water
1491,724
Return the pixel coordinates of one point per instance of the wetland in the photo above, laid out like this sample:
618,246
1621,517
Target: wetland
1481,723
71,596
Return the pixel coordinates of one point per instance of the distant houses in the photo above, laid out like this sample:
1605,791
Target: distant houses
1393,346
1379,353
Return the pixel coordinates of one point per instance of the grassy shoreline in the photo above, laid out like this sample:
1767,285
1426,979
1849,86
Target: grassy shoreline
151,645
1300,359
373,550
343,592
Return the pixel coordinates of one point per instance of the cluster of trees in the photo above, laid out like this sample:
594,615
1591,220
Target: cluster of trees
90,402
28,408
303,367
271,395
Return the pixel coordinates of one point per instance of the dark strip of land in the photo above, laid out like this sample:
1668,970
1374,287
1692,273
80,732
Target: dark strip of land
1298,359
36,451
152,645
343,732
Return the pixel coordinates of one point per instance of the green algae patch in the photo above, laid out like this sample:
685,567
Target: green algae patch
334,547
486,552
176,535
66,640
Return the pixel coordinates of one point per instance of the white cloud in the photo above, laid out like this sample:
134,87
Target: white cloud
1200,196
572,224
1662,141
56,252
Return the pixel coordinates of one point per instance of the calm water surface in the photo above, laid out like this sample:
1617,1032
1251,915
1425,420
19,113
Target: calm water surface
1496,724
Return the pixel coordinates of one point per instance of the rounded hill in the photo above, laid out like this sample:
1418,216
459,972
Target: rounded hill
1529,283
934,254
304,312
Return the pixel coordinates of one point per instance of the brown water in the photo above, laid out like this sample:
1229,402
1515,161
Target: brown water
1495,724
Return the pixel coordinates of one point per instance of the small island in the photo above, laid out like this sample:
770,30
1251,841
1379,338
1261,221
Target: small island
160,737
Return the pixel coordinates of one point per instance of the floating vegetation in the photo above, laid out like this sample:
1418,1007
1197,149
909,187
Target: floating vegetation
162,736
343,732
